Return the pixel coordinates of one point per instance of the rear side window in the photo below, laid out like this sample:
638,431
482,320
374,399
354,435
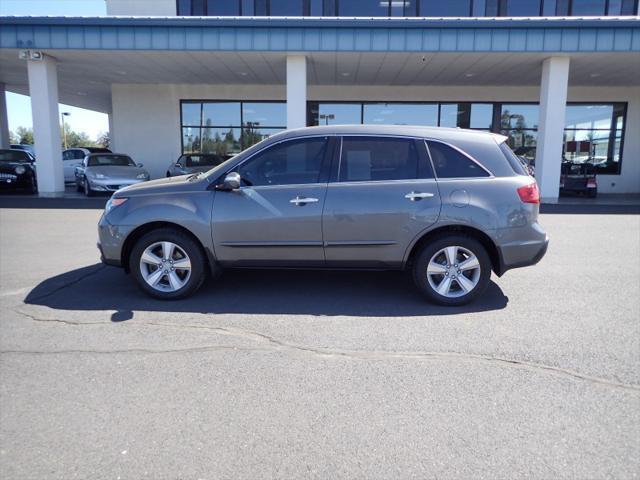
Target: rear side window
376,158
515,162
450,163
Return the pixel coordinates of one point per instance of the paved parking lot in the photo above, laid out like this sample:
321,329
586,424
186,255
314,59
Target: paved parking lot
318,374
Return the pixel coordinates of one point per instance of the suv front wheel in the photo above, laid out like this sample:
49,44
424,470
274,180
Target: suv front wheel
167,264
452,270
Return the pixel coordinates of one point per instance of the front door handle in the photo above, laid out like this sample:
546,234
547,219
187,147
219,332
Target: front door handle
300,201
415,196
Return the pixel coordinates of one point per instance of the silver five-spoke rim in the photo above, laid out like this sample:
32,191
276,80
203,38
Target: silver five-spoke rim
453,271
165,266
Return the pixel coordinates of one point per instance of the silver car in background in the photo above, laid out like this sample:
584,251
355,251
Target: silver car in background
449,205
108,172
191,163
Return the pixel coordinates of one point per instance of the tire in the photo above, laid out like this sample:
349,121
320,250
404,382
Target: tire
33,187
79,187
184,246
592,192
87,189
168,175
476,278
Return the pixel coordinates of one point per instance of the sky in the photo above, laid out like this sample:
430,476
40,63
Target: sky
19,106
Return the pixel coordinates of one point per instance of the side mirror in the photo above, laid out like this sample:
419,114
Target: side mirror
231,181
140,165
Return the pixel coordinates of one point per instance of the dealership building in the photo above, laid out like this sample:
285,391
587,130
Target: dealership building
560,78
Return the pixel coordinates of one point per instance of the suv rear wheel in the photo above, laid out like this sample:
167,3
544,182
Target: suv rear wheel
167,264
452,270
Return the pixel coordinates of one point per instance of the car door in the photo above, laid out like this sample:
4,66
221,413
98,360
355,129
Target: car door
71,159
381,196
275,217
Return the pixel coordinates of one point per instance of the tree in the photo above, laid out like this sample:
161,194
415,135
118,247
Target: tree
104,140
13,138
25,135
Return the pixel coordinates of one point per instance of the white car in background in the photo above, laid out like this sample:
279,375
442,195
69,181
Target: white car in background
72,158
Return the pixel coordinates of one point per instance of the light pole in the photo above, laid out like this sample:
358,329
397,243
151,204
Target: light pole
64,130
327,117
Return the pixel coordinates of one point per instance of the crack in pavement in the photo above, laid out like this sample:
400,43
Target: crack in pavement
273,344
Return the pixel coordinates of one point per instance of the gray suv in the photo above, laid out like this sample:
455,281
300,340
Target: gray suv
451,205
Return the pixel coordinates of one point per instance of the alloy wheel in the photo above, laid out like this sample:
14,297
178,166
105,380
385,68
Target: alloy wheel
165,266
453,271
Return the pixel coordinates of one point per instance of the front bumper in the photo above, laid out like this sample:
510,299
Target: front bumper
111,240
112,184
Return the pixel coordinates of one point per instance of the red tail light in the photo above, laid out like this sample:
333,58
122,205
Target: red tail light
529,193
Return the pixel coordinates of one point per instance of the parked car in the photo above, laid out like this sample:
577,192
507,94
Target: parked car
578,177
194,163
451,205
108,172
72,158
26,147
17,171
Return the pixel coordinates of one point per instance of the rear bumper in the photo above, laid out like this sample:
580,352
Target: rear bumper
525,252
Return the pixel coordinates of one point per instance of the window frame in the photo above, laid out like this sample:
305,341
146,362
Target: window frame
323,177
459,150
421,166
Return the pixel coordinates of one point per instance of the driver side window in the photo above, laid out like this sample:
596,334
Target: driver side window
287,163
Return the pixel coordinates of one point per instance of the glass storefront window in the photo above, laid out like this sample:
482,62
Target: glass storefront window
286,8
519,116
588,7
221,114
223,8
221,141
400,114
265,113
363,8
337,114
450,8
226,128
481,116
520,8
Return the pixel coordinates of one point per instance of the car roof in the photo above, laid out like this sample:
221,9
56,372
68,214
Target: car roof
443,133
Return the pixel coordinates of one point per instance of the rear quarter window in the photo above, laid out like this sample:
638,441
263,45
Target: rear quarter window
512,158
451,163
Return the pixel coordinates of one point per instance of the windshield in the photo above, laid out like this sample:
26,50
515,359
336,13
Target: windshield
201,160
110,160
14,156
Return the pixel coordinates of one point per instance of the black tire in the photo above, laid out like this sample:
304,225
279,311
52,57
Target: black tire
437,244
79,187
168,175
87,189
186,243
592,192
33,186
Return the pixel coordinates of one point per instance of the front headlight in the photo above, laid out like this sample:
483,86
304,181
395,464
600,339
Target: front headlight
142,176
99,175
20,169
113,203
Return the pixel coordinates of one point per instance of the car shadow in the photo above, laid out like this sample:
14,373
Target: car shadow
350,293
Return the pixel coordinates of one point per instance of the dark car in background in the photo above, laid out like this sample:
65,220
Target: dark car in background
17,171
194,163
579,177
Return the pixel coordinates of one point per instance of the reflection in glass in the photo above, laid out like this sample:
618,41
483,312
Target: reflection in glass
265,113
522,8
401,114
588,116
221,141
190,140
519,116
364,8
449,8
223,8
252,134
286,8
587,7
221,114
337,114
191,114
481,116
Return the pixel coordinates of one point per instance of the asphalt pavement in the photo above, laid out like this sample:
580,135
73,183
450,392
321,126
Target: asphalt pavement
287,374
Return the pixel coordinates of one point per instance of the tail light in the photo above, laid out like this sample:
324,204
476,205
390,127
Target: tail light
592,182
529,193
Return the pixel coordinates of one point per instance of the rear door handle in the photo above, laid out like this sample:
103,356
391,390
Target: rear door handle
300,201
415,196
